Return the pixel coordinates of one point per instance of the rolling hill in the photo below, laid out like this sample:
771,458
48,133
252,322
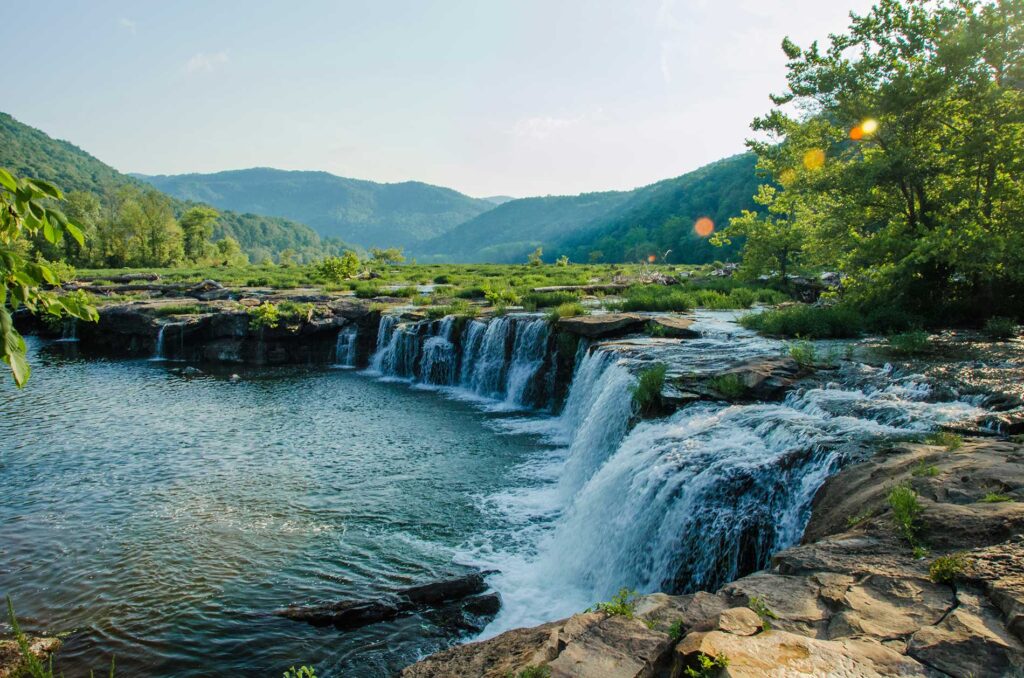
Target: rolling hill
30,152
363,212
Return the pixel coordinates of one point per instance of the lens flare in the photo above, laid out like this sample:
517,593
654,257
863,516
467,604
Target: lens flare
814,159
787,176
869,126
857,133
651,258
704,227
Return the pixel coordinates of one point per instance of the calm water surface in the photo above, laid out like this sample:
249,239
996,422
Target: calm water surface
160,519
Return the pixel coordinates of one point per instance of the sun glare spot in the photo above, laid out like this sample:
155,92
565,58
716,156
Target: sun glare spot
814,159
869,126
857,133
704,227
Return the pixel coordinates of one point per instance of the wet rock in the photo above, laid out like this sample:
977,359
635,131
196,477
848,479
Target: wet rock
190,372
11,660
673,326
347,614
604,325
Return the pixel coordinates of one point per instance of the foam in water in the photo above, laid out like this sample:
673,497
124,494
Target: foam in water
345,347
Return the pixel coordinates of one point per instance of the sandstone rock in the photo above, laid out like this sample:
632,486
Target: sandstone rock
497,657
792,599
787,655
762,378
604,325
611,647
673,326
11,660
739,621
694,612
250,301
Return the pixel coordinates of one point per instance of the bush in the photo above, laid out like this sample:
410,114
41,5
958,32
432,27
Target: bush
924,470
471,293
501,296
264,315
622,603
534,672
998,328
569,310
906,510
459,307
809,322
707,666
367,291
655,298
548,299
909,343
676,630
728,385
804,353
951,441
647,390
301,672
945,569
336,269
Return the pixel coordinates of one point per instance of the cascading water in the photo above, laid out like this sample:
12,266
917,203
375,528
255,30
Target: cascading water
439,359
529,351
345,347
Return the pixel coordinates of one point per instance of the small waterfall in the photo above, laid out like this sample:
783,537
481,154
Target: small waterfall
437,366
489,360
345,347
160,349
529,351
386,330
68,330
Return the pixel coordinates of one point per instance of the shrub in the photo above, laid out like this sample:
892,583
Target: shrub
471,293
264,315
408,292
504,296
924,470
906,510
655,298
676,630
945,569
707,666
1000,328
534,672
996,498
728,385
811,322
336,269
569,310
301,672
622,603
951,441
442,280
547,299
759,606
909,343
804,353
295,312
647,390
367,291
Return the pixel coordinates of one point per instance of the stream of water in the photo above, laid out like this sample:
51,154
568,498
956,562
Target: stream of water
163,518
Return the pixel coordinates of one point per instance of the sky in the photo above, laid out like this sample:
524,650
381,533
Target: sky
489,97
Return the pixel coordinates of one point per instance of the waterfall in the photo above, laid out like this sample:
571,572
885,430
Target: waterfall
489,360
437,366
160,349
529,350
699,498
345,347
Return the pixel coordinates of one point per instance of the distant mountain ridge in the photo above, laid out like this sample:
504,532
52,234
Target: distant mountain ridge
363,212
28,151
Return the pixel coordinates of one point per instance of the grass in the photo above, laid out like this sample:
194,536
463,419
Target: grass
567,310
533,672
1000,329
647,390
906,512
535,300
909,343
804,353
808,322
622,604
924,470
951,441
728,385
759,606
459,307
996,498
686,296
707,666
854,521
945,569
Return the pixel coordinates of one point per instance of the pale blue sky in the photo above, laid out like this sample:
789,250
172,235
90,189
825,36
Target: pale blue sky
518,97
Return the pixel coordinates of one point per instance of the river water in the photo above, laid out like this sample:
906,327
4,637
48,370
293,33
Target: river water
161,519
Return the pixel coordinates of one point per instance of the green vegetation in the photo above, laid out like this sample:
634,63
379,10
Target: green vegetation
336,269
854,521
647,390
906,511
676,630
909,343
728,385
951,441
301,672
28,212
30,666
945,569
180,309
707,666
759,606
998,328
567,310
809,322
533,672
996,498
925,470
804,353
655,298
622,604
266,314
535,300
894,159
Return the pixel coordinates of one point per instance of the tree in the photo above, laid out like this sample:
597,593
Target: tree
25,211
896,150
228,252
197,225
286,257
391,255
774,240
336,269
534,258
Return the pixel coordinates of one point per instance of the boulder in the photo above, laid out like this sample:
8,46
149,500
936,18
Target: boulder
11,660
739,621
603,325
673,326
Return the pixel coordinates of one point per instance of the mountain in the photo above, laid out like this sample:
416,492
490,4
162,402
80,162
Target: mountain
30,152
363,212
612,226
498,199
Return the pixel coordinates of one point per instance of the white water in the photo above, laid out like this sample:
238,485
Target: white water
683,503
345,347
159,351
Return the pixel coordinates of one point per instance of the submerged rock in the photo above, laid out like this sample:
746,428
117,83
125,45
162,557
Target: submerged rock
457,602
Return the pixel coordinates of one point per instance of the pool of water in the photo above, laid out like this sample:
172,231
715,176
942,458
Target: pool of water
161,520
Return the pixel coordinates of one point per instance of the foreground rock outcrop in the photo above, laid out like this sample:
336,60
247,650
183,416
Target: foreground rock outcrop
12,661
854,599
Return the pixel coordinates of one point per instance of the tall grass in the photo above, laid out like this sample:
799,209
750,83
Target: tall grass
808,322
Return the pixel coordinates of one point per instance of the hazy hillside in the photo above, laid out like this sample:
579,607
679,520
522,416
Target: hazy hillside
511,230
363,212
30,152
614,226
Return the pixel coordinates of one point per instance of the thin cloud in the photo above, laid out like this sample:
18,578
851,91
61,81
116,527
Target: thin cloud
127,24
205,63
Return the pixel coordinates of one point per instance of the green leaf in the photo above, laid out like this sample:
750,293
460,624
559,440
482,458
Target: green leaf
7,181
75,233
50,233
46,187
12,349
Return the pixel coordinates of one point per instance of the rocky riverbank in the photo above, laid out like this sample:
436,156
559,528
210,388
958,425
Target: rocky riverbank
854,599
